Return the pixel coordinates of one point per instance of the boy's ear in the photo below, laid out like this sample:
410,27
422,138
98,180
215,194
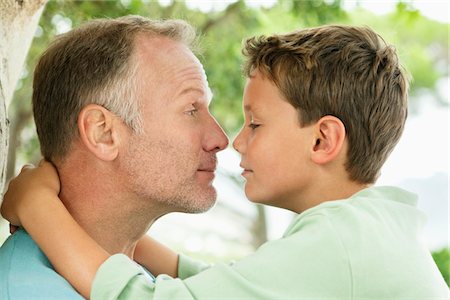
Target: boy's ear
98,131
329,139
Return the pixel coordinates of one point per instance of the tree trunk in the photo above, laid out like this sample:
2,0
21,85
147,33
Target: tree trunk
18,22
16,126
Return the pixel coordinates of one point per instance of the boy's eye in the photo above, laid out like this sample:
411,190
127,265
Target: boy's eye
253,125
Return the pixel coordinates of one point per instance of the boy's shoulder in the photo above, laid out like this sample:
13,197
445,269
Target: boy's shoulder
377,231
27,273
369,206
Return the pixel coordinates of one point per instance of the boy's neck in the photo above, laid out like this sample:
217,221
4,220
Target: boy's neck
331,191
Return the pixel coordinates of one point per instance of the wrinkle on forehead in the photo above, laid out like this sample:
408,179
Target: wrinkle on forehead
168,62
166,53
169,57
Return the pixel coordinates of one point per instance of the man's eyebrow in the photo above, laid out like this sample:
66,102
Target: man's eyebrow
208,94
188,90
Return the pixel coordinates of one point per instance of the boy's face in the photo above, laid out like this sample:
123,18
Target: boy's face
275,150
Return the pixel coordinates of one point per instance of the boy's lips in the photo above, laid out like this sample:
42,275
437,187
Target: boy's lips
246,170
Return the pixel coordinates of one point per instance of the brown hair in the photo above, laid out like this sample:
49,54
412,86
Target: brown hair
345,71
92,64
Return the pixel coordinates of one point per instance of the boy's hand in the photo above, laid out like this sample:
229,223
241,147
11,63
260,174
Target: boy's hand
13,228
31,184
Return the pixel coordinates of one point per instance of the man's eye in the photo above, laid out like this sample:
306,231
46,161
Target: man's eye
192,112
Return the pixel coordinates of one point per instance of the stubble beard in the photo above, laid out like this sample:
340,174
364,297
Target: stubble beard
158,181
192,199
185,197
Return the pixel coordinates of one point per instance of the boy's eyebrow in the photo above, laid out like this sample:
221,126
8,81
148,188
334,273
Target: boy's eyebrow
252,109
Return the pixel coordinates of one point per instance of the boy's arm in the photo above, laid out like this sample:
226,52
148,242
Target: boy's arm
156,257
32,201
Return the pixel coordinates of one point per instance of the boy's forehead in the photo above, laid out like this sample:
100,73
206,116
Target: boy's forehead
262,96
249,102
252,94
247,107
254,108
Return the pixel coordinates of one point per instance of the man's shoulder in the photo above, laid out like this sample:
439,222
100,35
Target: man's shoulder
27,273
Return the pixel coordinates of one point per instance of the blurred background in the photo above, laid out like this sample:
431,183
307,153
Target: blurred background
235,227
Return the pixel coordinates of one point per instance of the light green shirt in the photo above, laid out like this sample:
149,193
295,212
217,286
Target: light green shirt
364,247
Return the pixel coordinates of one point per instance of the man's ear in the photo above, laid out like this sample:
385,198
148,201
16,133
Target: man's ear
98,131
329,139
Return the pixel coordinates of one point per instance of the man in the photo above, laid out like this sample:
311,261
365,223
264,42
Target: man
121,109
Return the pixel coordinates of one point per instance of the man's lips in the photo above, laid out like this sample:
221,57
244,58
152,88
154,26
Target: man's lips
206,173
208,165
208,169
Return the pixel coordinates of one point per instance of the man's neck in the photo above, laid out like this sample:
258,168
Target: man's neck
117,231
98,203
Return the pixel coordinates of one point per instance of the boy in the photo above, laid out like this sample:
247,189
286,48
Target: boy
324,107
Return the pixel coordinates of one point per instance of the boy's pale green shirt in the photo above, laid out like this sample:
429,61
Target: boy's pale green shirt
364,247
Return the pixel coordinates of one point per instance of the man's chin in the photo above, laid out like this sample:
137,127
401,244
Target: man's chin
202,203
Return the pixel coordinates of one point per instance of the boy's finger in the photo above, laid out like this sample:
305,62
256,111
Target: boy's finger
26,167
12,228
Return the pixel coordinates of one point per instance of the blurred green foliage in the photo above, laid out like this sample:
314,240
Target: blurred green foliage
442,259
422,45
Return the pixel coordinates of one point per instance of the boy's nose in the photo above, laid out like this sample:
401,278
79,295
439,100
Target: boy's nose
238,143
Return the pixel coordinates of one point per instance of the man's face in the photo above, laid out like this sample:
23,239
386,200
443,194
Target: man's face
172,162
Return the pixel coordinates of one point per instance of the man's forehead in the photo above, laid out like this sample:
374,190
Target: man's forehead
171,62
161,48
154,41
209,95
194,78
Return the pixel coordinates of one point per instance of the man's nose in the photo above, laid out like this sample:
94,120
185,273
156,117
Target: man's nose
217,139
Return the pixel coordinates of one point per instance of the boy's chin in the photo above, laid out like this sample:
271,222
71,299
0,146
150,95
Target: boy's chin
269,201
257,198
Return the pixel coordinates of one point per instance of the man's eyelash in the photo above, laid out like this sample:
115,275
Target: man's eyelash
192,112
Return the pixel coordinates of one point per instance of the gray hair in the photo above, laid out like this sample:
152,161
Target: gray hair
93,64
